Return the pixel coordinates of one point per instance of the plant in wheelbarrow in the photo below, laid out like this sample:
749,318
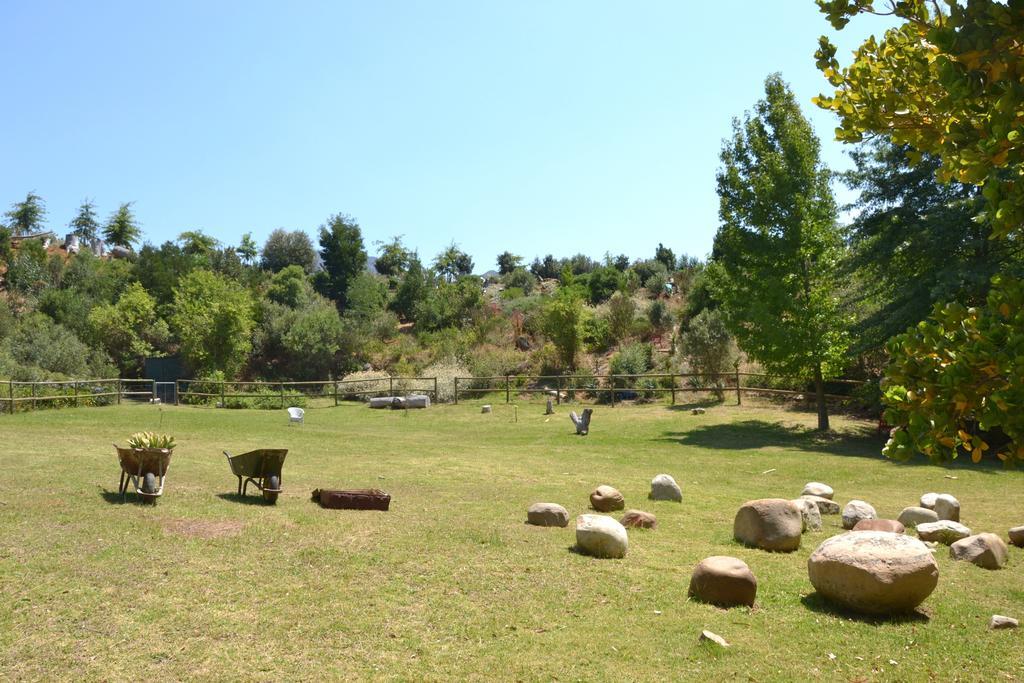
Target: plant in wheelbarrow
144,464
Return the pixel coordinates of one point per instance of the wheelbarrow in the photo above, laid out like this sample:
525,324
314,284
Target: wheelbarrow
145,469
262,468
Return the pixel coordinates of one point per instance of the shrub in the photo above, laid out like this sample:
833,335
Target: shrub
373,381
522,279
621,312
446,371
707,349
597,336
634,359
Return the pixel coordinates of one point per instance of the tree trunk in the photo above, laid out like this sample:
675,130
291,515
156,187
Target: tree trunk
819,390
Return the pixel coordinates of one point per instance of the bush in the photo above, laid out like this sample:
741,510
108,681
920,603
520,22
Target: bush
634,359
357,383
521,279
707,349
621,312
446,371
597,336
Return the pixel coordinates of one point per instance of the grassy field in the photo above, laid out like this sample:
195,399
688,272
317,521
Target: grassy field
451,584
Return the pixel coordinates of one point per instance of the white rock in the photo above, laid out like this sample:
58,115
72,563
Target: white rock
928,500
855,511
601,536
664,487
816,488
825,506
943,531
985,550
485,408
810,514
913,516
709,637
998,621
947,507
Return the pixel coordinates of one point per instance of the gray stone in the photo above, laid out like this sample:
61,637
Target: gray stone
601,536
983,550
697,411
485,409
947,507
999,622
890,525
664,487
770,524
855,511
1017,536
712,639
874,572
913,516
547,514
723,581
607,499
816,488
928,500
825,506
943,531
638,519
809,513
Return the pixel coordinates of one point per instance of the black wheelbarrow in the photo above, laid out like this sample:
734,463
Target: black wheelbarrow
145,469
262,467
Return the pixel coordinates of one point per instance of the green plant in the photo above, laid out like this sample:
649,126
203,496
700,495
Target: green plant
151,440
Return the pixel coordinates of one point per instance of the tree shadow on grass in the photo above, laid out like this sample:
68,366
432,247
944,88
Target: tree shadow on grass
817,603
242,500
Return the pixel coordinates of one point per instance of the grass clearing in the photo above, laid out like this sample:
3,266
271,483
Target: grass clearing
451,583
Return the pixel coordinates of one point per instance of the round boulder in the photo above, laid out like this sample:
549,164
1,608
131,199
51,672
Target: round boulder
855,511
913,516
606,499
984,550
874,572
816,488
601,536
547,514
638,519
664,487
942,531
1017,536
825,505
810,514
947,507
928,500
723,581
890,525
769,524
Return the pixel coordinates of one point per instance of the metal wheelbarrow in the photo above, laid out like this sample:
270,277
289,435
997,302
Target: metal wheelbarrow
262,467
145,469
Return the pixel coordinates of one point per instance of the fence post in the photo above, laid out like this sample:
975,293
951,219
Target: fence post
672,379
33,396
456,401
75,385
282,395
223,403
611,387
435,389
739,396
391,385
154,392
508,389
335,392
177,390
10,393
118,391
558,390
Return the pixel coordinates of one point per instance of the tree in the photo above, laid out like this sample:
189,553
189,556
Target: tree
563,325
28,216
520,279
313,340
284,248
290,287
343,257
453,263
508,262
197,243
130,329
621,313
85,224
213,318
247,249
707,349
159,269
777,247
392,257
665,257
6,252
602,283
412,291
547,269
122,229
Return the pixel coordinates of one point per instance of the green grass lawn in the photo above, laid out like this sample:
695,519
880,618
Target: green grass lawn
450,583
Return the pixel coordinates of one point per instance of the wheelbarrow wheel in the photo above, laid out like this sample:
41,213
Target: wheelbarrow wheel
272,482
149,483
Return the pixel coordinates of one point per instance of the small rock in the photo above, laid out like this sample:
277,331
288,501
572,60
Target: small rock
601,536
664,487
855,511
913,516
638,519
547,514
983,550
723,581
825,506
607,499
1017,536
890,525
928,500
944,531
998,622
810,514
947,507
485,409
697,411
816,488
709,637
769,524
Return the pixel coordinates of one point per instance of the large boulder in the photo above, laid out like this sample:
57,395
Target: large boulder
913,516
723,581
984,550
928,500
816,488
810,514
601,536
942,531
1016,535
855,511
874,572
664,487
606,499
825,506
769,524
947,507
547,514
890,525
638,519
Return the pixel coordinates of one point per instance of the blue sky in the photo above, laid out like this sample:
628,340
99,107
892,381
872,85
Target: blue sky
551,126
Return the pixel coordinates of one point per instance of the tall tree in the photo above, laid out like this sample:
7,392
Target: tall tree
28,216
247,249
507,262
777,247
197,243
453,263
392,257
213,318
665,256
412,291
343,257
85,224
284,248
122,229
